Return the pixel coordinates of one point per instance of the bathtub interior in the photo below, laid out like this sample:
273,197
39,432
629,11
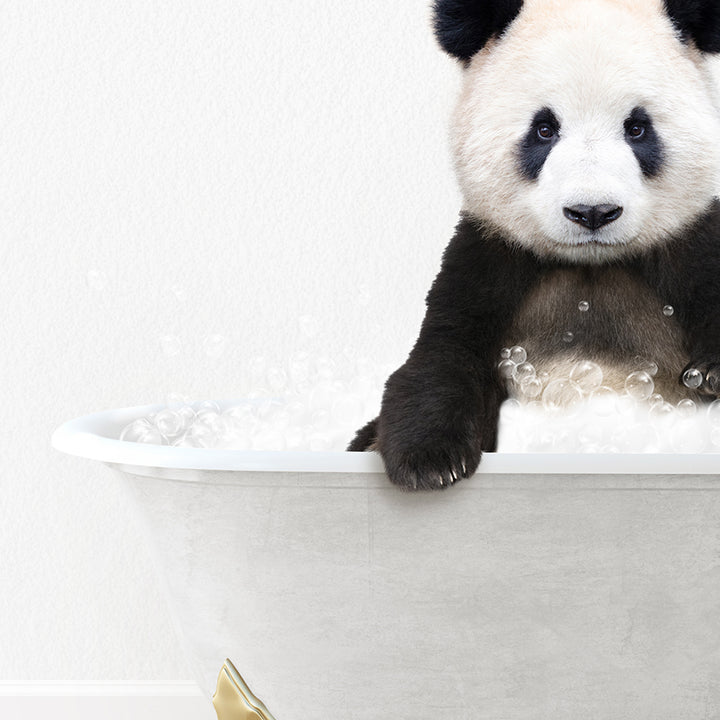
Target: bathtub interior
556,586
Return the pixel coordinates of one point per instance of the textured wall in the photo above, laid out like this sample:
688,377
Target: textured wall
188,169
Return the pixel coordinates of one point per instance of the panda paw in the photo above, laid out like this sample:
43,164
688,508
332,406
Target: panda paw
435,465
709,367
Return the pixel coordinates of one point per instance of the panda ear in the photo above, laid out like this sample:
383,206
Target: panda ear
462,27
697,20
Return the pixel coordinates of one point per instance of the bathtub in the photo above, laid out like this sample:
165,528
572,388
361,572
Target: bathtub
545,586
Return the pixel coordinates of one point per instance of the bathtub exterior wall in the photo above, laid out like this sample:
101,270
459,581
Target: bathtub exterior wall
509,597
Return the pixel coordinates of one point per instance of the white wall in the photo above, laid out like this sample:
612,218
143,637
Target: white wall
188,168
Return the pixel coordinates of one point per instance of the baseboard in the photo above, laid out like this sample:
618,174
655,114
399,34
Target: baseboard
108,702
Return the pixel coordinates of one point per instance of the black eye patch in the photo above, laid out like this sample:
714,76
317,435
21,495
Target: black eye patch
640,135
541,137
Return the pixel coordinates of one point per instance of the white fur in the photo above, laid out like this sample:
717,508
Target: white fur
591,62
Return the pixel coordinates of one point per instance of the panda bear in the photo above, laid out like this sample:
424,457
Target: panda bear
586,142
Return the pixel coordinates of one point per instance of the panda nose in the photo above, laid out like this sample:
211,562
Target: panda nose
592,216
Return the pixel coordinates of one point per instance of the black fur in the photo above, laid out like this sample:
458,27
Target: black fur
648,148
697,20
440,409
534,149
687,274
462,27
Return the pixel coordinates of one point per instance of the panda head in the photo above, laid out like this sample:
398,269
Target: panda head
586,130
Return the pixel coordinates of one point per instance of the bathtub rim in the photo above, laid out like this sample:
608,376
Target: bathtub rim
94,436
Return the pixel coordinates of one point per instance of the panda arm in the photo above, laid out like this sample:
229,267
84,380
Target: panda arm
687,277
440,409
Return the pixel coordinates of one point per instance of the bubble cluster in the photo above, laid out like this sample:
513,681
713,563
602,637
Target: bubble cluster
639,385
306,403
578,413
318,403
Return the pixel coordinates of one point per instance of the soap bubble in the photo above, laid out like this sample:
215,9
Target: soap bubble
142,431
206,420
588,375
214,345
561,394
712,379
511,408
655,398
686,408
506,368
505,354
169,423
583,306
568,337
692,378
241,417
206,406
197,436
662,411
713,413
639,385
171,345
668,310
531,387
645,364
518,354
523,371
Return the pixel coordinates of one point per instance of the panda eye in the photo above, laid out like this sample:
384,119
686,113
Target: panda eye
545,132
636,131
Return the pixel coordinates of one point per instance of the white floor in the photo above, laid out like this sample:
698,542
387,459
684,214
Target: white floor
109,702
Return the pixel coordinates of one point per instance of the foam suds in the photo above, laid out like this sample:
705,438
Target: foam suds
315,404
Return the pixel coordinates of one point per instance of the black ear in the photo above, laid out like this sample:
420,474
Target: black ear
462,27
697,20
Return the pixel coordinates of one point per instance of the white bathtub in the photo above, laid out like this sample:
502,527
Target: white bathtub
545,587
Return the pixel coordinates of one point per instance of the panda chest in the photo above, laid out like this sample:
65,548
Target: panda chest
607,316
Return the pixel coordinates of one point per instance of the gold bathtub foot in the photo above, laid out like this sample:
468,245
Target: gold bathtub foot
233,699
